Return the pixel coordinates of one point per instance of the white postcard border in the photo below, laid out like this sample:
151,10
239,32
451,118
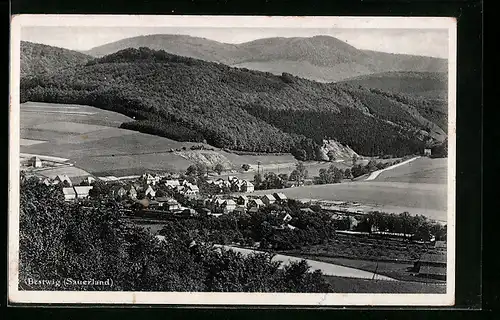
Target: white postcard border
198,298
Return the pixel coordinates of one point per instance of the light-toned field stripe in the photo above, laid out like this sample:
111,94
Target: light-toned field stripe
375,174
48,107
42,157
62,111
328,269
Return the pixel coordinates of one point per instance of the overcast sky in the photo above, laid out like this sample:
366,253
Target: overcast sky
427,42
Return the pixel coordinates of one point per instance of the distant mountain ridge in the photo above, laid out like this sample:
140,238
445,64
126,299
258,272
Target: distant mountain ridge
193,100
319,58
43,59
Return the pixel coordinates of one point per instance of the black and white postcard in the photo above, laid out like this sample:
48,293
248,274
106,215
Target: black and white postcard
232,160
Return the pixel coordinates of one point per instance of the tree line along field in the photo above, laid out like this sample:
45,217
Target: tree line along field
92,140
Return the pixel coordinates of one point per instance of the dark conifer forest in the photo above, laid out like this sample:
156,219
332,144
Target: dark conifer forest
192,100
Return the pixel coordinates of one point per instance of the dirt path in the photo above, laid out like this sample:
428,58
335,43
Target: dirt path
375,174
328,269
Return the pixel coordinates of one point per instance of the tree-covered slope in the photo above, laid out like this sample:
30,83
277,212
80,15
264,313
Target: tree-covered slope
423,84
236,108
320,58
40,59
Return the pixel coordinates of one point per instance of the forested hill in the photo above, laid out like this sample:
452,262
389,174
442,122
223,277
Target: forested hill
188,99
43,59
423,84
319,58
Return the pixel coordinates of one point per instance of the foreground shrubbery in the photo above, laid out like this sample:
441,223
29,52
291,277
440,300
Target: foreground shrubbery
88,240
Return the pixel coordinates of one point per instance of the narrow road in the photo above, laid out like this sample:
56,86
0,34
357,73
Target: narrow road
375,174
327,268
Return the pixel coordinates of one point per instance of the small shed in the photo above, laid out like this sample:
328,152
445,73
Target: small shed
427,152
35,162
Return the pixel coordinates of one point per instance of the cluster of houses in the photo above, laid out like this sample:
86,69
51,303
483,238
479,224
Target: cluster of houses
233,183
70,191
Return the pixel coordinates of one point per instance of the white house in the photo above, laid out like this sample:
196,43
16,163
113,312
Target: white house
247,186
150,192
35,162
229,205
69,193
279,196
268,199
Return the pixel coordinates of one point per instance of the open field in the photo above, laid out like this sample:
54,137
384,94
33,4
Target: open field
92,140
390,269
328,269
353,285
416,198
422,170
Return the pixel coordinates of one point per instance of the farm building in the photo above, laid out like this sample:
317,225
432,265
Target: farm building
247,186
35,162
268,199
427,152
255,203
82,192
69,193
280,197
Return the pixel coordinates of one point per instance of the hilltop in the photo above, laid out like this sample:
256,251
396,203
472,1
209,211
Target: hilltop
43,59
193,100
319,58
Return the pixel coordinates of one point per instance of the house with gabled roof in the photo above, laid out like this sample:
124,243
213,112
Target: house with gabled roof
229,205
88,180
280,197
35,162
247,186
255,203
150,192
62,178
268,199
242,200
